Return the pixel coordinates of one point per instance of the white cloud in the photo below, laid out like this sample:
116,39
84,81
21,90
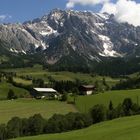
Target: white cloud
109,8
4,17
124,11
72,3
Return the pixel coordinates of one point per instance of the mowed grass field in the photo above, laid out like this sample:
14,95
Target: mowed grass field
127,128
84,103
28,107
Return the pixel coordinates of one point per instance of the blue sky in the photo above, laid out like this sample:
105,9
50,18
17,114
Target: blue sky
23,10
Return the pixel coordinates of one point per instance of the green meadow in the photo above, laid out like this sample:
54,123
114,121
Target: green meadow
28,107
38,72
126,128
5,87
84,103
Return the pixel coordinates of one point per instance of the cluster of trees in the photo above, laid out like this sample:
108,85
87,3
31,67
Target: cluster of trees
127,108
109,66
36,124
73,86
67,86
14,61
129,83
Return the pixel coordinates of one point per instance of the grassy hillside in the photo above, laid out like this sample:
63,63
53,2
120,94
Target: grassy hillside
5,87
28,107
120,129
23,81
84,103
38,72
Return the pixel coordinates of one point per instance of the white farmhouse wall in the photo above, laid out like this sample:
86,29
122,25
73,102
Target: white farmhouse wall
89,92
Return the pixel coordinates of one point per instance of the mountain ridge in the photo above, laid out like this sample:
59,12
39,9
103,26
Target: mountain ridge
73,36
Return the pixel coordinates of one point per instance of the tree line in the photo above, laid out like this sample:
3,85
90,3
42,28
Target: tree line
35,125
129,83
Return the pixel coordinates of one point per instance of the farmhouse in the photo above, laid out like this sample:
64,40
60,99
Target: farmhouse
86,89
45,92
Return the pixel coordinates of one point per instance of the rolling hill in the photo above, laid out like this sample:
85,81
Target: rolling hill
85,103
126,128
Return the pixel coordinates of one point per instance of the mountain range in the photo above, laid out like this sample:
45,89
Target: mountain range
67,40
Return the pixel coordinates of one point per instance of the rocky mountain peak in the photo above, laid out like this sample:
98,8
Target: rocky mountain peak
83,34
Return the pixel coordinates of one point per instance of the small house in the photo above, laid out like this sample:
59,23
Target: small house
45,93
86,89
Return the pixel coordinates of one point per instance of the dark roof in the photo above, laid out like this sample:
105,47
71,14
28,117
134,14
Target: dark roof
88,86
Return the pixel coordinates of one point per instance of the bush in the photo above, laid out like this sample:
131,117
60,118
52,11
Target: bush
136,109
36,124
111,112
127,106
56,124
82,120
98,113
111,106
14,128
25,127
64,97
119,111
71,121
11,95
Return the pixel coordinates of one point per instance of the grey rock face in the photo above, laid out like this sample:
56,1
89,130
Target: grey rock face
59,33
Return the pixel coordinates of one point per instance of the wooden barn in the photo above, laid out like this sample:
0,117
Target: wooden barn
86,89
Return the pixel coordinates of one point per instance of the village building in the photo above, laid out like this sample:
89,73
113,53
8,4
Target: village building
45,93
86,89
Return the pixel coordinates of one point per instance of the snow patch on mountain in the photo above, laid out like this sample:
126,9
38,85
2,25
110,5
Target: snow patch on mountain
44,45
91,57
103,15
61,24
36,46
108,47
99,26
23,52
48,31
16,51
13,50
